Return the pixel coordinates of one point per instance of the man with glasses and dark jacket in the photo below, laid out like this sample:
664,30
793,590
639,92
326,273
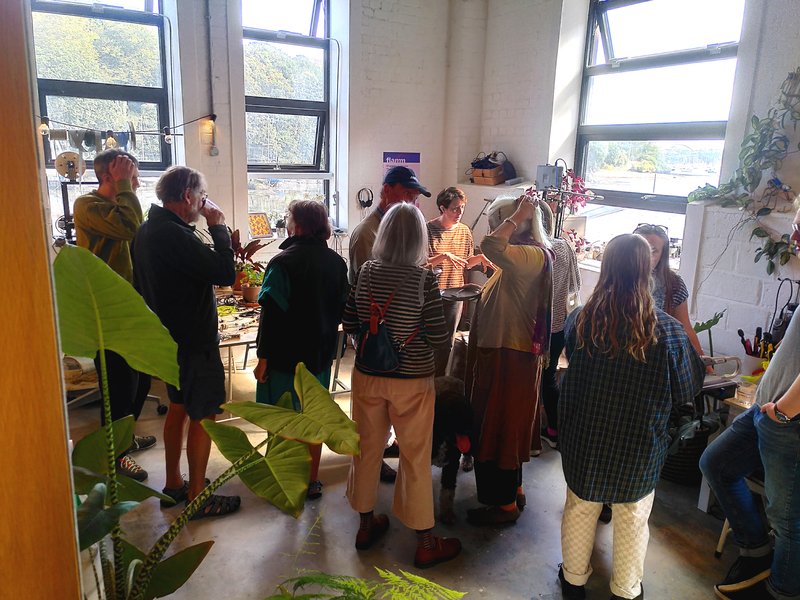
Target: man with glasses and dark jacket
176,272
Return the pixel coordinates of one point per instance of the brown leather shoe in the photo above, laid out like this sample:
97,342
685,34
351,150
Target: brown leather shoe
492,515
365,538
443,550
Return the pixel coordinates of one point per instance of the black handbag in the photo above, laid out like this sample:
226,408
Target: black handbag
378,353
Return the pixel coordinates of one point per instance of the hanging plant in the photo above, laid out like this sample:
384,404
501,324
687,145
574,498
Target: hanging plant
762,153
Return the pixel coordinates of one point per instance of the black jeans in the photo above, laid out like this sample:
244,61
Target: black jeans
127,388
550,390
452,314
496,486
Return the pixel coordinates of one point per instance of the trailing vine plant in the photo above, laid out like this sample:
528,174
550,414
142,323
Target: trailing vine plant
762,153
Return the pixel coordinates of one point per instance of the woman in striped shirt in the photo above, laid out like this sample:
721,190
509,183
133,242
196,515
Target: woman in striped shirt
451,249
405,397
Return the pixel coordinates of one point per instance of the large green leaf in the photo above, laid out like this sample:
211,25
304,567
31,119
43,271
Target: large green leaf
94,521
98,309
171,573
321,419
90,452
280,477
127,488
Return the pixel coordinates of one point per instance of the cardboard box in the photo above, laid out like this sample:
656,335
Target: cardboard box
489,180
498,170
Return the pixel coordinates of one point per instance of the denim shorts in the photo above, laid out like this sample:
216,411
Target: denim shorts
202,379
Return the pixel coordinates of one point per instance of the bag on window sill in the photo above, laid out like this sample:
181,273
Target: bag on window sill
378,353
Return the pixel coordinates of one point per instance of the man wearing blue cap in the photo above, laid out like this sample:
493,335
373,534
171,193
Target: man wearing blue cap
400,184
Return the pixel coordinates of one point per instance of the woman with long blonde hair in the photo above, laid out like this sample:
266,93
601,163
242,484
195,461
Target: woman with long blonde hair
629,364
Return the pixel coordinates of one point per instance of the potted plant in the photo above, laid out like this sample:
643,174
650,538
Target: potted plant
766,181
251,283
243,255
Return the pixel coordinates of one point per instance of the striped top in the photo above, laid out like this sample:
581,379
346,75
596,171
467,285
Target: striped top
566,276
417,303
458,241
680,293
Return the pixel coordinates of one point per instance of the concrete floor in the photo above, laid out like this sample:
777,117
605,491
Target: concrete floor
259,547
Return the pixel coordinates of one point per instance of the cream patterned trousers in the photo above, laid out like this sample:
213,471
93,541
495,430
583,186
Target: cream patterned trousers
631,535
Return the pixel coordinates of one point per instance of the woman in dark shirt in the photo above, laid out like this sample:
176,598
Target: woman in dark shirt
629,363
668,288
405,397
302,298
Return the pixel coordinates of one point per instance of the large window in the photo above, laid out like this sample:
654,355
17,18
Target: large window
102,69
657,87
286,80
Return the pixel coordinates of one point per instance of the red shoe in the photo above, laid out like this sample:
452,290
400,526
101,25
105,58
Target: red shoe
365,538
443,550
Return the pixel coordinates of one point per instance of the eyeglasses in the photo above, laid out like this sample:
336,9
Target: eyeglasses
458,209
204,198
645,228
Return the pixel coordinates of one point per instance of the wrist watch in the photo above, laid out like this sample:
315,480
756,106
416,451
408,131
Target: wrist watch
781,416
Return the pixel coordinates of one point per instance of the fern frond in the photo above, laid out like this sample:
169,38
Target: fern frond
408,586
349,588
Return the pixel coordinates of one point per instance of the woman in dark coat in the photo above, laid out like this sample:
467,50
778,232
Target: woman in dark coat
302,299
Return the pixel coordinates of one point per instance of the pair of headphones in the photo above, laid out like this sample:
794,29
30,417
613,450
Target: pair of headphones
364,197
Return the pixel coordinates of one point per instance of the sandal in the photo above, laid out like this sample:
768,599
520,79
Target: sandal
178,494
314,491
216,506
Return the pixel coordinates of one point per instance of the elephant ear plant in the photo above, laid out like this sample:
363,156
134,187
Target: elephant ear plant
98,311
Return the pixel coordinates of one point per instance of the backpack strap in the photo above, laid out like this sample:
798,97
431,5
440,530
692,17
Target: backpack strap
378,312
389,300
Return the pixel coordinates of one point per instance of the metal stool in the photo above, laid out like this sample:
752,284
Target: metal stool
335,381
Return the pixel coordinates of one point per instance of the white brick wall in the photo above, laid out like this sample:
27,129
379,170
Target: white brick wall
398,59
519,80
736,283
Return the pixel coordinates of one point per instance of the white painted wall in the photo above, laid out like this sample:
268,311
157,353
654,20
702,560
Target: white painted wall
519,76
769,50
398,58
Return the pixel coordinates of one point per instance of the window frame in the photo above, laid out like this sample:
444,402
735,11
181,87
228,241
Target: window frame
678,131
109,91
290,106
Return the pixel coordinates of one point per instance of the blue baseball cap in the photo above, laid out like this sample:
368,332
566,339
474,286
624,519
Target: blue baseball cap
407,178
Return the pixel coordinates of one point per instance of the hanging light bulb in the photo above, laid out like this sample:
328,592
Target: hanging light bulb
167,136
111,141
44,128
